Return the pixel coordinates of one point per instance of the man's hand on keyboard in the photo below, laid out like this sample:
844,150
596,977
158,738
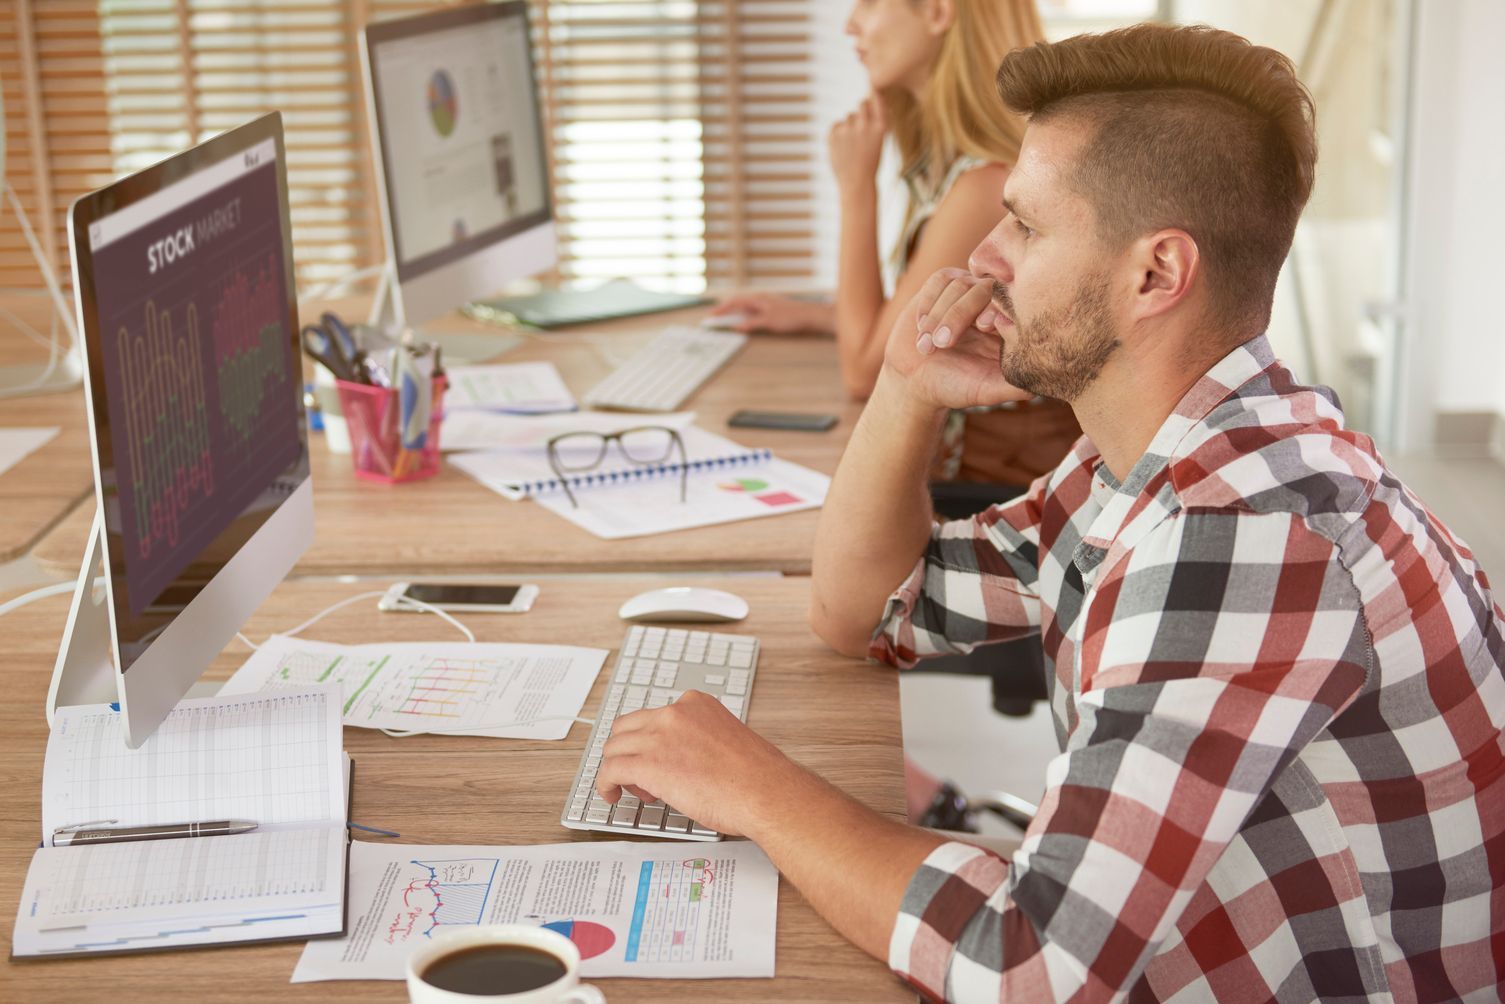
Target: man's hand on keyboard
695,755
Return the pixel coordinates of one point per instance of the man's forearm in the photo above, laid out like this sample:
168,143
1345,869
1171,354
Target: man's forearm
850,862
877,517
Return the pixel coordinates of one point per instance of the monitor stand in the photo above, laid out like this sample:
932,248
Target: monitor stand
85,671
461,348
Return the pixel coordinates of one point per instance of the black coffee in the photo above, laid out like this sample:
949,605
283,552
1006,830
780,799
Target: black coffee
493,969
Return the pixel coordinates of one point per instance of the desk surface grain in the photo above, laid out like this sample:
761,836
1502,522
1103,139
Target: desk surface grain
451,524
492,791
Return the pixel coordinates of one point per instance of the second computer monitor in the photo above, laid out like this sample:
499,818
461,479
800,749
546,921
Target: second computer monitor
459,145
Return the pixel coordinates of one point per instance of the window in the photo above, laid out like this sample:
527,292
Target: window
681,130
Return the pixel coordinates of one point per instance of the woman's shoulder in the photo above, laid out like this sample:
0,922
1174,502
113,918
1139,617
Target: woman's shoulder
977,181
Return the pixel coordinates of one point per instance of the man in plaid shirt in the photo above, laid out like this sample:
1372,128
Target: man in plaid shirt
1276,676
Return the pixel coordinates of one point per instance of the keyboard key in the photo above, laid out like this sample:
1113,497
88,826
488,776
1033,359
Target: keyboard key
624,815
595,815
677,822
740,657
714,679
577,810
652,817
700,829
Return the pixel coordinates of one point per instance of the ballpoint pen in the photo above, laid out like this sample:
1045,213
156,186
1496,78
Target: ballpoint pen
101,832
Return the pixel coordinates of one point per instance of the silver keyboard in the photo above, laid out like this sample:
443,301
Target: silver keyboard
664,373
655,666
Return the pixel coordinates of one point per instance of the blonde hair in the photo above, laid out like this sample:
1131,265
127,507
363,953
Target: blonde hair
959,114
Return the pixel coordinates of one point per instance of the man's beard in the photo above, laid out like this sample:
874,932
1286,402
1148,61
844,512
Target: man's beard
1061,352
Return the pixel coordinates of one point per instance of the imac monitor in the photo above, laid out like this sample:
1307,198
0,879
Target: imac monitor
184,289
459,147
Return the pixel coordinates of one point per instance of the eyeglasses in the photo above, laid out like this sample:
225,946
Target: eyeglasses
572,453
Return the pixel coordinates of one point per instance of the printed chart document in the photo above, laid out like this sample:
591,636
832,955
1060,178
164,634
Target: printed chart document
633,909
15,444
439,686
719,494
519,388
273,759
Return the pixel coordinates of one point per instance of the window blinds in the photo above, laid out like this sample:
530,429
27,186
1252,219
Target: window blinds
681,132
57,136
682,139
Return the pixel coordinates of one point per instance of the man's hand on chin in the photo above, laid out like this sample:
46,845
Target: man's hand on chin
700,758
937,352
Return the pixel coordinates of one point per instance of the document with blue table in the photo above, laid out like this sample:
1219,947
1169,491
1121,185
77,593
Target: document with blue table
633,909
273,759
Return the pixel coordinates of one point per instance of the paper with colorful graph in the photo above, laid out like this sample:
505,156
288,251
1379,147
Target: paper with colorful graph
633,909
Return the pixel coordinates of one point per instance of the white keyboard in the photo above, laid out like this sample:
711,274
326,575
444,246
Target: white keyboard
653,668
665,372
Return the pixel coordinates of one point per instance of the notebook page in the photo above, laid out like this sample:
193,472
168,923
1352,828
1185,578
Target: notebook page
273,758
156,893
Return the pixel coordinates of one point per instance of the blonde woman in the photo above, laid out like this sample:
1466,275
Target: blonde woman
931,64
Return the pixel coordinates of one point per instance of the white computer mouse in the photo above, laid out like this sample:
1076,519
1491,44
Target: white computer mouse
684,603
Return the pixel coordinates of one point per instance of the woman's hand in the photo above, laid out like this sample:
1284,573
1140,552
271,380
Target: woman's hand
855,144
775,313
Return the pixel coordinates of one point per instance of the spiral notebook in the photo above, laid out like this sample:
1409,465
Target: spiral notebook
724,482
521,472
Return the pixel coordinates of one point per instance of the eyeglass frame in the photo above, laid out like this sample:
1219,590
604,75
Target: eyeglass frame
606,440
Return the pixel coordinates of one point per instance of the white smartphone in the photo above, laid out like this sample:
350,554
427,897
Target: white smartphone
460,597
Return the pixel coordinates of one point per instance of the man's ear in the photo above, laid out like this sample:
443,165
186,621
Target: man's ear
1167,265
940,15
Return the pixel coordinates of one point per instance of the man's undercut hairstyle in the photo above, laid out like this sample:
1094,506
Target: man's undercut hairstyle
1191,128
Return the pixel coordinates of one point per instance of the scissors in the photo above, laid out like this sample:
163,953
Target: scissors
323,345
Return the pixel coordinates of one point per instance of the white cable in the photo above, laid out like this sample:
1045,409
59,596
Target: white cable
405,600
401,734
248,643
38,594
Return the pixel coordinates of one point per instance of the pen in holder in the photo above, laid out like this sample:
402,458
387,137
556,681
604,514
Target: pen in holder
374,415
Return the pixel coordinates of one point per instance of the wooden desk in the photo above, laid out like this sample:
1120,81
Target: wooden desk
490,791
38,492
451,524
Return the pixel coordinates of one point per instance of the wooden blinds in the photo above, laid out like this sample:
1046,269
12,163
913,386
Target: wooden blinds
56,127
682,138
681,132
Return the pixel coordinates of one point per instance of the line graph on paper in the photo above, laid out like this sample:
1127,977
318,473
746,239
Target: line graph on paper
404,688
438,894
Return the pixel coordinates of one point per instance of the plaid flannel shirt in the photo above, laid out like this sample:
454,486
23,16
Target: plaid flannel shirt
1276,680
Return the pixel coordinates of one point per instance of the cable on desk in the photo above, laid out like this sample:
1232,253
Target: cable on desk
43,593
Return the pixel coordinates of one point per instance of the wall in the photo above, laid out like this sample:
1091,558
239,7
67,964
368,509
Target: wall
1455,266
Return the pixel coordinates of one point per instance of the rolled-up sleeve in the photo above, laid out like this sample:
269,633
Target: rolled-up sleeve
974,585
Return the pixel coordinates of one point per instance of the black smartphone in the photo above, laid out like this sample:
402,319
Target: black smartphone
796,421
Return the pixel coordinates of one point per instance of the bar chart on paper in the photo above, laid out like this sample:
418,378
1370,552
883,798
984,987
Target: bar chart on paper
475,688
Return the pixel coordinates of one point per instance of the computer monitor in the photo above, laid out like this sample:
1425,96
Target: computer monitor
183,279
458,143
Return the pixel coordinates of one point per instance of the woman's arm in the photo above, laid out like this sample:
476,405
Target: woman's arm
863,317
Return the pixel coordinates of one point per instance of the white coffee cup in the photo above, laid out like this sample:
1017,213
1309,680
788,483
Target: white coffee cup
566,990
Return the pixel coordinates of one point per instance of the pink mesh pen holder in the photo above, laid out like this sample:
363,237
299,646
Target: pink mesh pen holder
374,417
